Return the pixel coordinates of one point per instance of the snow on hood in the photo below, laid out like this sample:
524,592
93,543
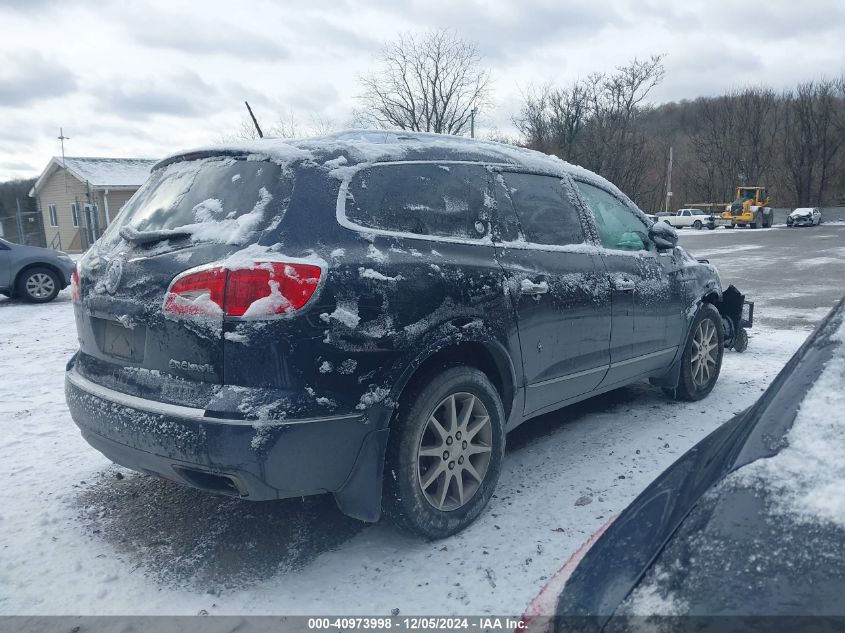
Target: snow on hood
808,476
802,211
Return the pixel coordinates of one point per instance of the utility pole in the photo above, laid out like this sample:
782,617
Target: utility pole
472,123
19,218
62,139
669,181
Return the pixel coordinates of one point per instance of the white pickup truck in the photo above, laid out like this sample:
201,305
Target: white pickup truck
695,218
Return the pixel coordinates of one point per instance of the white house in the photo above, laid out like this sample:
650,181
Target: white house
78,197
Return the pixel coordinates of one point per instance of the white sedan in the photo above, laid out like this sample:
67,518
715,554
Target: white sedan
808,216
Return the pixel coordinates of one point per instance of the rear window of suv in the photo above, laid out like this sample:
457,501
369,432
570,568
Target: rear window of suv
217,199
442,200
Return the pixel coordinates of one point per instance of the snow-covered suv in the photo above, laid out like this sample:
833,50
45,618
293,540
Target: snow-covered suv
368,313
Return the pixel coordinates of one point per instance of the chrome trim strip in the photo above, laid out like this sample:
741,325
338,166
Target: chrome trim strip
577,374
180,411
628,361
586,372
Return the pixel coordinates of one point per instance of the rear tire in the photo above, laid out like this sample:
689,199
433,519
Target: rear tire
38,285
444,453
702,359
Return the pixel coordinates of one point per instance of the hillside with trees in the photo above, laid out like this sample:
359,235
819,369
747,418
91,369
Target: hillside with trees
791,142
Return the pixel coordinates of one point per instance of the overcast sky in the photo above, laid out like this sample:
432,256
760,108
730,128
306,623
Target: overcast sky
147,78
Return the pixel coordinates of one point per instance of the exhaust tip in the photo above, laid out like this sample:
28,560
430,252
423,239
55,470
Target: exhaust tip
212,482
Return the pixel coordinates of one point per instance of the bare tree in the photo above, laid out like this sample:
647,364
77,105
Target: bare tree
428,83
244,132
286,126
732,143
596,122
814,132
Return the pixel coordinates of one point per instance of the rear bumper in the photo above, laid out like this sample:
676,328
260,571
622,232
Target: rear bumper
256,460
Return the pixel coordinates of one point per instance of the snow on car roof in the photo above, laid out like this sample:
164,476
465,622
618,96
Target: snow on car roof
360,147
346,152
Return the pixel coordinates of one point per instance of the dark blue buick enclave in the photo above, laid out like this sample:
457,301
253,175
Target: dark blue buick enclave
368,313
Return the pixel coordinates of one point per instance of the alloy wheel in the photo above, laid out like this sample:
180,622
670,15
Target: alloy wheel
40,286
454,451
703,359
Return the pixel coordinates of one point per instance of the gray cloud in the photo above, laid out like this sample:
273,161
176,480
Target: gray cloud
517,31
127,93
323,36
111,131
316,99
17,166
702,71
29,77
747,22
186,35
27,6
181,95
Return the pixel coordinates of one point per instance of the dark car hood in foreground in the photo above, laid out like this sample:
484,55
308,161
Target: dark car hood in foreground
733,557
698,541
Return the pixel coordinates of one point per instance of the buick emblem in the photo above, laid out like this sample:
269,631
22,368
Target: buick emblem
114,271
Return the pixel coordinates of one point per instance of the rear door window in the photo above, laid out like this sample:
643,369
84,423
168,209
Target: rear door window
445,200
545,213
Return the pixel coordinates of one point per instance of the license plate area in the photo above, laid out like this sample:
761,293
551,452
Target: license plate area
121,342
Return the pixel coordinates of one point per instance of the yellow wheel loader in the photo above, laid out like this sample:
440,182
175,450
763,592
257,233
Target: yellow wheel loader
750,208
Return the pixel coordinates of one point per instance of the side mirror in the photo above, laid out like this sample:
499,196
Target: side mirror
664,236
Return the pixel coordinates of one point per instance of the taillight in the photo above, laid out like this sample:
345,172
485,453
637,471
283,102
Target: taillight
198,293
270,288
264,289
75,293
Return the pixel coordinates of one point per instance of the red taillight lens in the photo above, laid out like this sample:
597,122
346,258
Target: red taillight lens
198,293
264,289
270,288
75,293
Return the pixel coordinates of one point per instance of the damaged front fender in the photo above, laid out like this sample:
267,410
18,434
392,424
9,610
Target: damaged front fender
737,316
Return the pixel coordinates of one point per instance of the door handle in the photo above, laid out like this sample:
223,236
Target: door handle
528,287
624,285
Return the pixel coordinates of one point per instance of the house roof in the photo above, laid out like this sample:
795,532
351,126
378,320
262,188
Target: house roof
100,173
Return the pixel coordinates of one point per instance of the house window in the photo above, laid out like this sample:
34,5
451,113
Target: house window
54,218
74,211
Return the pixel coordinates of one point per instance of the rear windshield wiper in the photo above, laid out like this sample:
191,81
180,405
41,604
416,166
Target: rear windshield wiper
131,234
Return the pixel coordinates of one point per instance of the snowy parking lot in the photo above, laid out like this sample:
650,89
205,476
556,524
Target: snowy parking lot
79,535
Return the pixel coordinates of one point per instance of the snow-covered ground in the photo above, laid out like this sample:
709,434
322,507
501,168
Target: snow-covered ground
77,539
81,536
